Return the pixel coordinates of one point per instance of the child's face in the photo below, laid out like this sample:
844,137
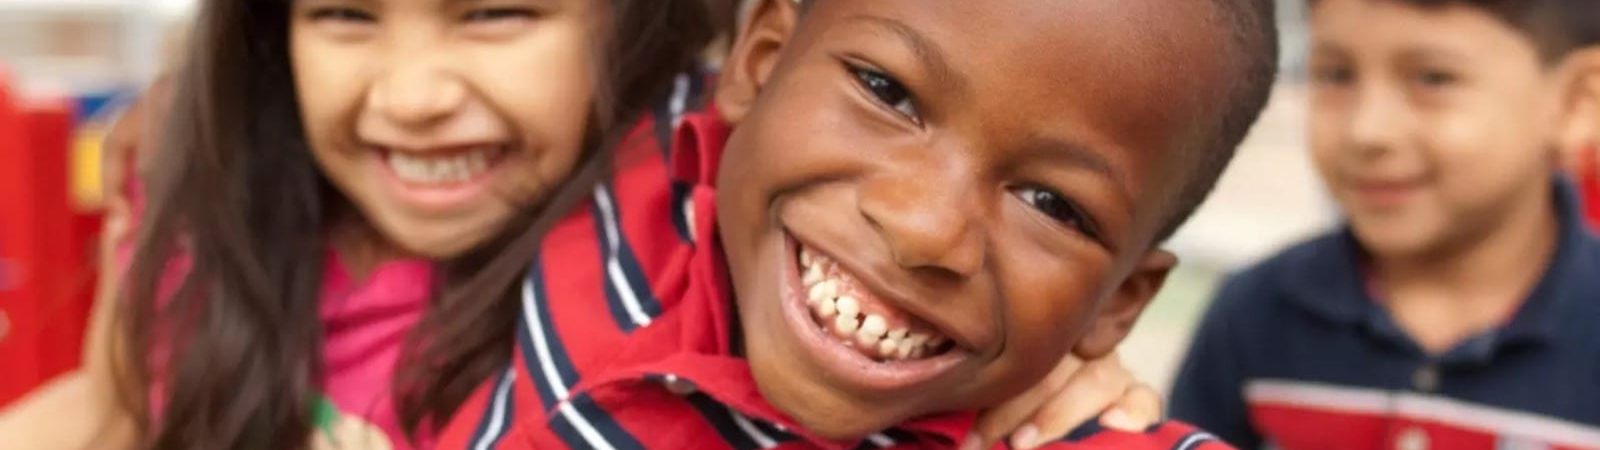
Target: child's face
1426,124
440,119
926,204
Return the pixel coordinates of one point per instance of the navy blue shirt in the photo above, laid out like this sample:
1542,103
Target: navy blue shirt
1295,353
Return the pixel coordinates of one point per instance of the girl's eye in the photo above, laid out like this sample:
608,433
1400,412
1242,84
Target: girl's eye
498,15
888,91
1056,206
1436,78
343,15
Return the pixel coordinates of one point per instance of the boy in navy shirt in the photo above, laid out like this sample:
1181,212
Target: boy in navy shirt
1457,309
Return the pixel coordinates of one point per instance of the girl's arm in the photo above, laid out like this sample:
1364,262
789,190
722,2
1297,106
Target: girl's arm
81,409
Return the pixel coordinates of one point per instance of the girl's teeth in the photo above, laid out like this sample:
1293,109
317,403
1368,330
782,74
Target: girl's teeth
439,169
903,349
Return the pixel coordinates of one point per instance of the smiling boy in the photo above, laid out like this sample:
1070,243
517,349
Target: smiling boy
924,206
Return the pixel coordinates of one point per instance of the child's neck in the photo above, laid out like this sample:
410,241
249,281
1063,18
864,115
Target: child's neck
361,247
1445,297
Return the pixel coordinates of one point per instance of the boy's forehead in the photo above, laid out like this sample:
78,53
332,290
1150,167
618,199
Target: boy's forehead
1141,75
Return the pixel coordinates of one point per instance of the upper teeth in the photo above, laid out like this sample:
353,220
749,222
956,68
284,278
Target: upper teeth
453,168
841,313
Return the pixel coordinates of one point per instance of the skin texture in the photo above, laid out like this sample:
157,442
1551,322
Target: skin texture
1010,197
1435,130
430,77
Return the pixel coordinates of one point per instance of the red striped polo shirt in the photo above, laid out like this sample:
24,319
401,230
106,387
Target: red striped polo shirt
627,328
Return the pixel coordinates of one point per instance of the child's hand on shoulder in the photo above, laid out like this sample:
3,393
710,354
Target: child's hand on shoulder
1073,393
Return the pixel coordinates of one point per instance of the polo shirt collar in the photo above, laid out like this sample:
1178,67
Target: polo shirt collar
1325,279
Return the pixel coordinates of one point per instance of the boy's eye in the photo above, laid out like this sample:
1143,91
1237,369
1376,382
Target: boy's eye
888,91
1337,76
1055,205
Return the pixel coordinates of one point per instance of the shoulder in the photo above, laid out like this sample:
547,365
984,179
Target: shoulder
1171,435
1307,266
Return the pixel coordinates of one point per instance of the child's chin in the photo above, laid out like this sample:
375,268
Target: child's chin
820,409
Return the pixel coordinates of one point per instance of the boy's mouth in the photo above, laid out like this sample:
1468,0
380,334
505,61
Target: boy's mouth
855,334
842,307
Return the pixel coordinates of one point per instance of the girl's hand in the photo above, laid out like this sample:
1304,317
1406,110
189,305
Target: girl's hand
1071,394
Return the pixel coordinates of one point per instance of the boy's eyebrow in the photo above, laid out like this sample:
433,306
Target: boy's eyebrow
929,54
1080,155
1432,54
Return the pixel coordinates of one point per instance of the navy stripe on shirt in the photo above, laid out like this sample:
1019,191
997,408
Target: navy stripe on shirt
628,292
499,414
578,420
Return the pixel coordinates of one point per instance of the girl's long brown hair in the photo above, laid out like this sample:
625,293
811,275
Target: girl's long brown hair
234,190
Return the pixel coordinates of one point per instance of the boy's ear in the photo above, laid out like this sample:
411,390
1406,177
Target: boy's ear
1579,95
1116,318
756,50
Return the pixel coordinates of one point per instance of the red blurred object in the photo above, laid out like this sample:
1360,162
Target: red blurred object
47,270
1589,184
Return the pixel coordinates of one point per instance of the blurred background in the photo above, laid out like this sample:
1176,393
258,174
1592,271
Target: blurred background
67,65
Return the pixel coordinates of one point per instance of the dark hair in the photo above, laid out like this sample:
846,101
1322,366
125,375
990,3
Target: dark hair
1252,42
236,193
1558,27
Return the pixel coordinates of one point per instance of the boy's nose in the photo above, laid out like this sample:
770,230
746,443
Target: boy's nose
926,222
416,94
1378,122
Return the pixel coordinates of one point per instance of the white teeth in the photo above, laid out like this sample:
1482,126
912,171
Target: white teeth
849,306
874,325
826,309
898,333
813,276
823,291
440,169
903,350
917,339
842,316
887,347
844,326
866,340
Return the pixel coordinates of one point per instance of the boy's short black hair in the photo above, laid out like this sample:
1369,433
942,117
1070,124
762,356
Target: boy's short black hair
1252,33
1558,27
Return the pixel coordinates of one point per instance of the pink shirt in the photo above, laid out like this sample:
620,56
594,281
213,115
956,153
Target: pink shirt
365,323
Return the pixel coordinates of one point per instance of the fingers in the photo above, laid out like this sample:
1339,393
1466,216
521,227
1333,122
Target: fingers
997,422
1138,409
1098,386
